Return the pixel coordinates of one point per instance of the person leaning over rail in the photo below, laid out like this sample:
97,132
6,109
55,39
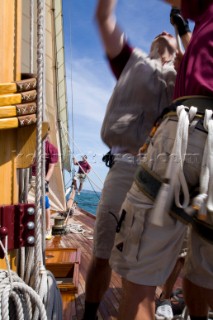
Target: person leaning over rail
179,156
83,170
144,87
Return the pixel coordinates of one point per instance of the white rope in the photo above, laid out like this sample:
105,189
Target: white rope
180,148
204,200
13,297
40,106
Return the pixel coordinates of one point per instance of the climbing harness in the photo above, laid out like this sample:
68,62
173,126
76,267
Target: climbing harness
174,185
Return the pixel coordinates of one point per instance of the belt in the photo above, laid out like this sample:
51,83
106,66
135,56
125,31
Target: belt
201,102
128,158
150,184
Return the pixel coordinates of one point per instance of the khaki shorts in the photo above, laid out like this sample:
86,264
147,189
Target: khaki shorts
81,177
144,253
116,185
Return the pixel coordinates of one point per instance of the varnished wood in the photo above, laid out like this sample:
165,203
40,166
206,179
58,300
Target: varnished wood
10,36
64,264
10,57
73,310
26,144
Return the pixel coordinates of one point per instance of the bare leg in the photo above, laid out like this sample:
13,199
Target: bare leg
97,282
169,284
137,302
98,279
198,299
48,224
80,187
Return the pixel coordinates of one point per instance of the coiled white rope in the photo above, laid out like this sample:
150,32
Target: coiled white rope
17,299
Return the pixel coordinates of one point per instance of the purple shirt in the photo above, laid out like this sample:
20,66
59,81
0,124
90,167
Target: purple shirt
51,156
84,165
118,63
195,76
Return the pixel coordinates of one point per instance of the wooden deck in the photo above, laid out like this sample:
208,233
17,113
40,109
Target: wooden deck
73,304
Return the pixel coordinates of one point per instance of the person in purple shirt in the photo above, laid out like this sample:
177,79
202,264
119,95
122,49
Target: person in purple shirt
83,170
179,157
51,159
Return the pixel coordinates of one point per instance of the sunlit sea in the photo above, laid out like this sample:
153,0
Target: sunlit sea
88,200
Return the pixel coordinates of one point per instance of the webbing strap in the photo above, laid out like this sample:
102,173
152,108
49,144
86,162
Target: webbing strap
150,185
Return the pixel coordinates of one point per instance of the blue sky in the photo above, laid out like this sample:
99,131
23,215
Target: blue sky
89,79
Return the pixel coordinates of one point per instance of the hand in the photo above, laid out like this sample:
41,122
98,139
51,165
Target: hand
177,20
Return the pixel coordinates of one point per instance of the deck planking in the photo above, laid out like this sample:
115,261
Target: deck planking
73,305
73,308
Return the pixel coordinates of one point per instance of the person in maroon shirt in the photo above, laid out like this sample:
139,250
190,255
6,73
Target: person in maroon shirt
83,170
51,158
149,240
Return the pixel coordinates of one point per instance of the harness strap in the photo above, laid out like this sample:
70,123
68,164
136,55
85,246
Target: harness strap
150,184
174,179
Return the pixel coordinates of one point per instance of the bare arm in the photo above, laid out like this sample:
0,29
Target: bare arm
186,39
113,38
75,162
50,171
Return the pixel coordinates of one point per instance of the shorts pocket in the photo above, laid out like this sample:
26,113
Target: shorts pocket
128,239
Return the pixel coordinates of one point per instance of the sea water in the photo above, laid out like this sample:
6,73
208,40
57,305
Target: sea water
88,200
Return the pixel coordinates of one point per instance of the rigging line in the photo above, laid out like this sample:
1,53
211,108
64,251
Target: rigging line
71,84
89,178
94,190
81,153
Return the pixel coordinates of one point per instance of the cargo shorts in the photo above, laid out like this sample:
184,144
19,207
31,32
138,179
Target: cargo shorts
145,253
118,181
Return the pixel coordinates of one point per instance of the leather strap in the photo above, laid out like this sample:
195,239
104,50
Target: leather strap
28,82
15,122
18,110
150,184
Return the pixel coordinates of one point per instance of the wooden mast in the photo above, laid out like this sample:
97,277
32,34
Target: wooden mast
10,70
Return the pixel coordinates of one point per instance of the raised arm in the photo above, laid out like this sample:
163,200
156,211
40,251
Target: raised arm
112,36
181,25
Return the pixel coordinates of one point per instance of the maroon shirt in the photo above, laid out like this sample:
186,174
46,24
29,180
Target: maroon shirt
51,156
84,165
118,63
195,76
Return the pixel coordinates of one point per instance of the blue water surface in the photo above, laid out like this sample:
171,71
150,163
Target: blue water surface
88,200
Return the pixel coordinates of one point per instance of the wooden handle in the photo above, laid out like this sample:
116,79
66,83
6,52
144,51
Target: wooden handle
17,98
